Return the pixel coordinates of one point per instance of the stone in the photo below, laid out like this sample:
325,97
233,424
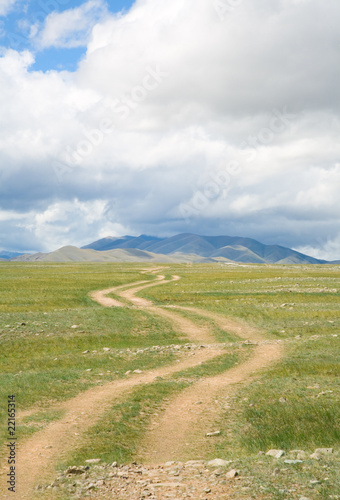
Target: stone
173,472
137,371
93,461
217,472
218,462
324,451
75,326
304,498
106,349
323,393
86,352
275,453
123,475
211,434
207,490
316,456
194,463
74,470
292,462
232,473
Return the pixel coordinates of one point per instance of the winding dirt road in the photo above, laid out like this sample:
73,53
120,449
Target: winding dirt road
181,420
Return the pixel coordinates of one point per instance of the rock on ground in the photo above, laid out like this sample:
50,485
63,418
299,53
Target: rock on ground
135,481
275,453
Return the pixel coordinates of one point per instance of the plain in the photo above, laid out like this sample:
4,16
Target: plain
56,343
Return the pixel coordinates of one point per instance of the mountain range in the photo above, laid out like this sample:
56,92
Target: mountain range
4,255
184,247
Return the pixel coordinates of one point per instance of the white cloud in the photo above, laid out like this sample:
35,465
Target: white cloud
6,6
166,98
70,28
228,67
64,220
58,225
325,250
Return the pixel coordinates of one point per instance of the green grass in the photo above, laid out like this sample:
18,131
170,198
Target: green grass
220,335
37,422
117,435
286,302
214,366
256,293
29,287
42,360
264,478
309,417
41,355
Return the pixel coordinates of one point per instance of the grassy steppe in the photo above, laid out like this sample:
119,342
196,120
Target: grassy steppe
41,355
290,303
294,405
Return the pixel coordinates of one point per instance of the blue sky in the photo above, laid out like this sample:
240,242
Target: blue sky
17,24
160,117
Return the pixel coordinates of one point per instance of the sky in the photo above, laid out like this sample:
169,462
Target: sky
162,117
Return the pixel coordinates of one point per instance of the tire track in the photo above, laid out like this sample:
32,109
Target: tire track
38,454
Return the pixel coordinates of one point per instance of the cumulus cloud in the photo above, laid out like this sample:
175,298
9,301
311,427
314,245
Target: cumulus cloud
70,28
177,120
61,222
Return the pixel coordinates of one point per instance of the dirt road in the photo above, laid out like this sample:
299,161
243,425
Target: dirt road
182,419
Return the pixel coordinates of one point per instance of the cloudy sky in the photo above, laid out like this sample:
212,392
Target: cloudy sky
160,117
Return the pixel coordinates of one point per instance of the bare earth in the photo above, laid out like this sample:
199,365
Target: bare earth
179,433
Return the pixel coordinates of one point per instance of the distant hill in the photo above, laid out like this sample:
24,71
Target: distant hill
232,248
180,248
74,254
110,242
4,255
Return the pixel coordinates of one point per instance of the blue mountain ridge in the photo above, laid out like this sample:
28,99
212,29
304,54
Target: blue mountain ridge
239,249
